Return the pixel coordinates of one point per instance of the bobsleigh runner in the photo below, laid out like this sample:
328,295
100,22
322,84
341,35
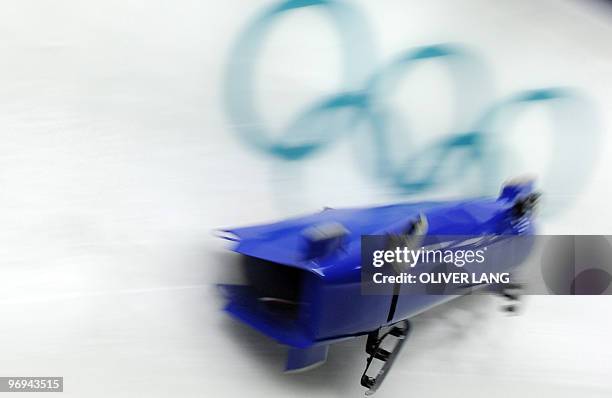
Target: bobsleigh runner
305,281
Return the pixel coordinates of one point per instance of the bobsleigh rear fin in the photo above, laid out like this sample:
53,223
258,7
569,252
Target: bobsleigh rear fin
303,359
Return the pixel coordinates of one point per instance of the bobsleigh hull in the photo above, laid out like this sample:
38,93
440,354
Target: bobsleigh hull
304,274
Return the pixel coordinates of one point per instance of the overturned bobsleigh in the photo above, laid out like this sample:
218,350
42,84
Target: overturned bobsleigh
304,274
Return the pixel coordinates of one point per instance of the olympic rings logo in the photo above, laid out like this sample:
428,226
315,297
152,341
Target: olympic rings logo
365,88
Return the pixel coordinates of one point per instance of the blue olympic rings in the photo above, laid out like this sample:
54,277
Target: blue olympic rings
476,133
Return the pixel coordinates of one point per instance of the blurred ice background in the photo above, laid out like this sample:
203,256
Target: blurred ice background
118,159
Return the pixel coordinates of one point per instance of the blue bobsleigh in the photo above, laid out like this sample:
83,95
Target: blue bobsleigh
304,274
